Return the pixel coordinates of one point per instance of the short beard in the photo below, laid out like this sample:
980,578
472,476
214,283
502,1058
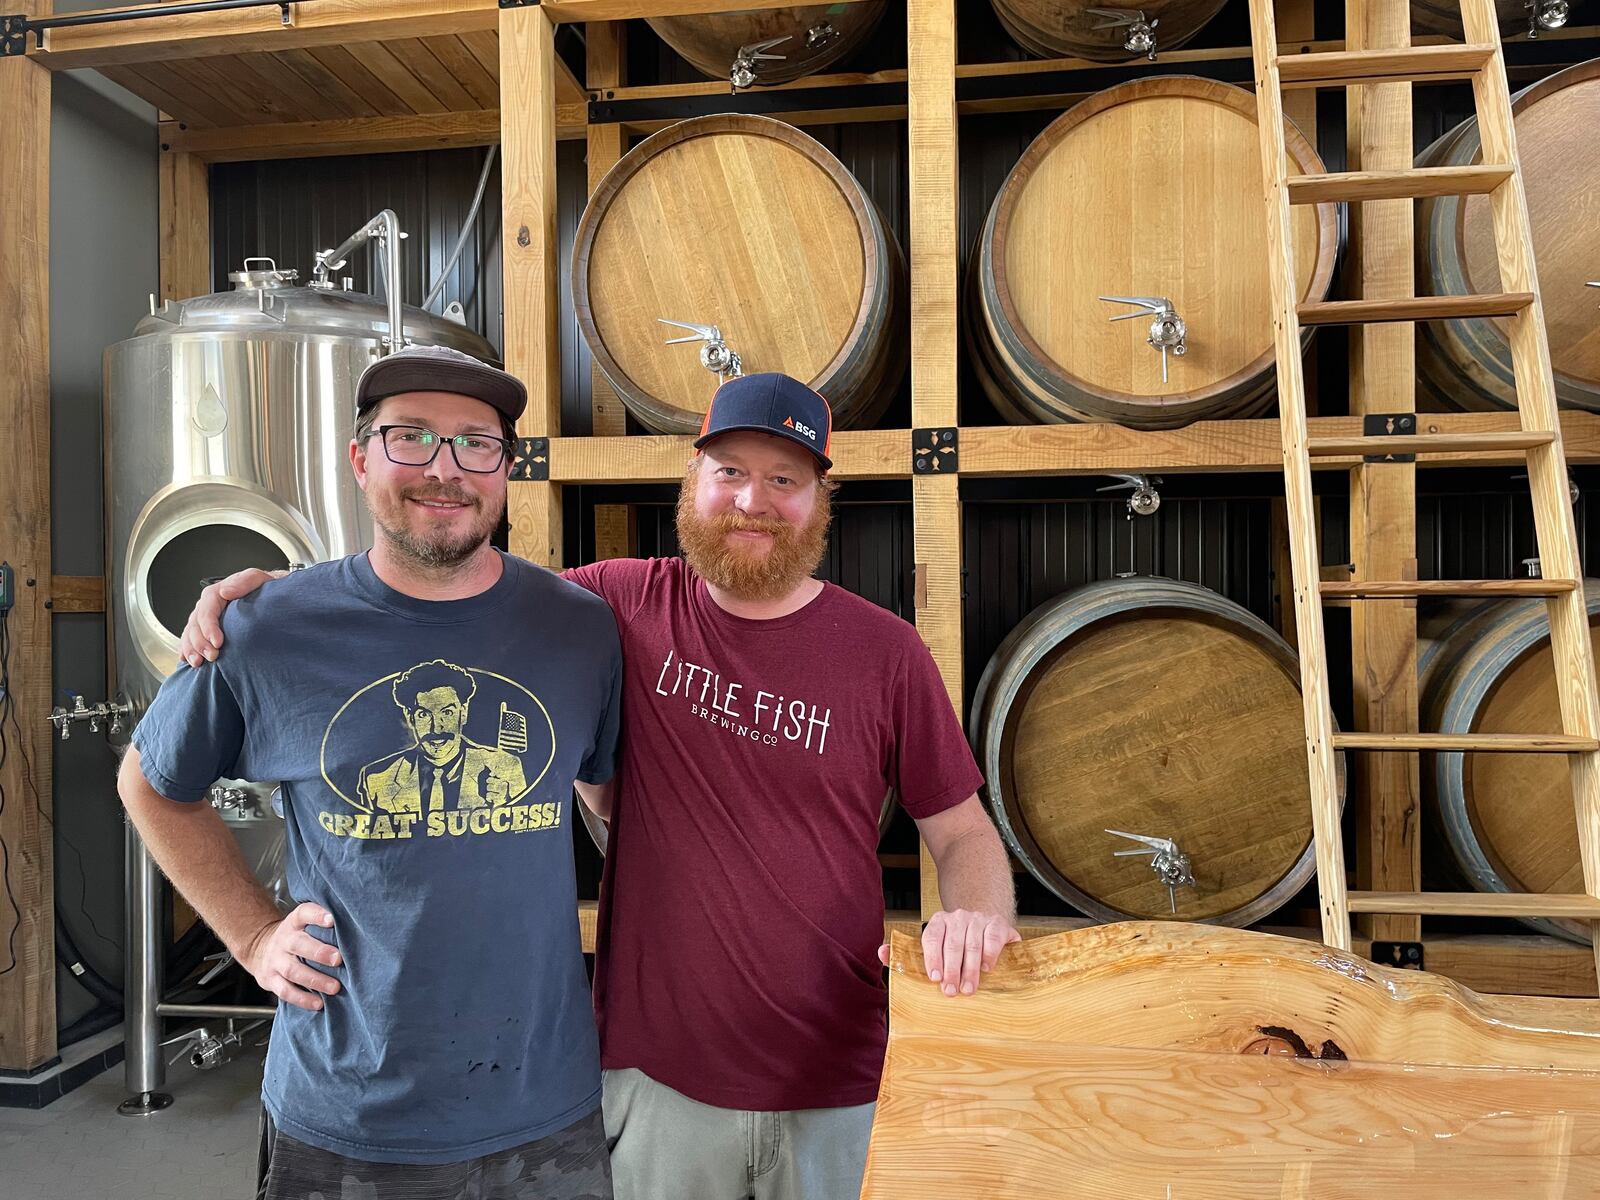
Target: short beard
431,554
794,555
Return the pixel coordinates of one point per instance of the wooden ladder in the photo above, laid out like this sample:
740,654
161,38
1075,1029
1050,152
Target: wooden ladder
1481,60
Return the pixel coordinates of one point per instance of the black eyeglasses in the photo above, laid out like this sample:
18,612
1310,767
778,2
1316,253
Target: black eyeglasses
414,446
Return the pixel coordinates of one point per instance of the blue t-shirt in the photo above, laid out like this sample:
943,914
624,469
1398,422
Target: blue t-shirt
427,751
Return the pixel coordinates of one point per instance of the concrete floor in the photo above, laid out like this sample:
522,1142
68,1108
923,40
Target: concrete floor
79,1148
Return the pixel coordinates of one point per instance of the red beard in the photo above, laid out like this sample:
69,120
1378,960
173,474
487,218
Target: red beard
753,573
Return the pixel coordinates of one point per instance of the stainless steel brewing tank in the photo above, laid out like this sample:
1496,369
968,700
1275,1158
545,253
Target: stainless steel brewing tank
228,420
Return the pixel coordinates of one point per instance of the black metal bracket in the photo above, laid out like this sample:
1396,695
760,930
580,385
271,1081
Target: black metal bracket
13,36
531,461
1406,955
1389,425
935,451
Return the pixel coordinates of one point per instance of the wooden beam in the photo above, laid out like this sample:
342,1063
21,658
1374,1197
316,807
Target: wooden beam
260,30
532,339
27,902
77,594
935,336
660,458
184,207
1009,451
1383,498
354,135
606,57
616,526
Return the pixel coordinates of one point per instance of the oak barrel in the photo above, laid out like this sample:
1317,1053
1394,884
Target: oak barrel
750,225
816,36
1158,708
1507,820
1067,28
1444,17
1150,188
1467,364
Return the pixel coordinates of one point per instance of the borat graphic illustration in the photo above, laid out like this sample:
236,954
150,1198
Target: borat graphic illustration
443,769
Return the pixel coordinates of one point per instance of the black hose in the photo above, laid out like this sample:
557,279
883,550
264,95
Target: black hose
91,980
181,960
96,1020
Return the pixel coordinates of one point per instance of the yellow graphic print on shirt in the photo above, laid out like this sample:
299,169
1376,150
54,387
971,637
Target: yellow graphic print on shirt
469,747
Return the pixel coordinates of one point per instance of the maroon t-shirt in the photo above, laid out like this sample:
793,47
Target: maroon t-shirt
741,907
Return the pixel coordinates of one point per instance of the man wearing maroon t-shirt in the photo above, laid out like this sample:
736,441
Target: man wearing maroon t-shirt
740,1003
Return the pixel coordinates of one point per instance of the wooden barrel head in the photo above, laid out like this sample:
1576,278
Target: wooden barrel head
1140,191
815,37
1054,28
1156,708
1507,820
1469,362
1521,804
1561,175
747,224
1170,726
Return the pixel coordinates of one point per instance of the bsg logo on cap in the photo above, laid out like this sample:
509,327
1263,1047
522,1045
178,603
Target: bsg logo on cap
802,430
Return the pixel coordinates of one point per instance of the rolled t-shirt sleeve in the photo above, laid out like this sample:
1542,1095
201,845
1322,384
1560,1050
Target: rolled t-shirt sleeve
601,762
933,768
192,735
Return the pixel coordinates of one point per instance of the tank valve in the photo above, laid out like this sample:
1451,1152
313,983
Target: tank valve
747,62
1145,500
114,713
822,35
1546,14
715,355
1170,864
1167,330
1141,37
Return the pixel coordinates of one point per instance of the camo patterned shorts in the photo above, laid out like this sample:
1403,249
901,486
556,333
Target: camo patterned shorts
571,1164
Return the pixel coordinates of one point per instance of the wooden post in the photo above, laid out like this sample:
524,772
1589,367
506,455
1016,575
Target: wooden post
615,528
185,211
27,901
531,338
936,503
1383,497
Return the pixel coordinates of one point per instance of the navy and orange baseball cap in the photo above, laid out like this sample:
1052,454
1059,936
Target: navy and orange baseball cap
771,403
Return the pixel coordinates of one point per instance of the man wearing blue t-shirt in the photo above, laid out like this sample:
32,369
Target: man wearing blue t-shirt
427,735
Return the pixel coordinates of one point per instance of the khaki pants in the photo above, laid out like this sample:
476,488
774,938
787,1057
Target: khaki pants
665,1146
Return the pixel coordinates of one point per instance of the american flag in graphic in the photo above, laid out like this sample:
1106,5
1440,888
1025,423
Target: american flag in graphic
513,730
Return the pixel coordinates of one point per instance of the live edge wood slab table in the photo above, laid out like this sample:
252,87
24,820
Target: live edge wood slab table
1186,1062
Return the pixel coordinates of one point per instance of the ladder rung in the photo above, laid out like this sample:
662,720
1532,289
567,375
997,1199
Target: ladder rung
1412,308
1493,743
1427,443
1383,66
1448,587
1397,185
1477,904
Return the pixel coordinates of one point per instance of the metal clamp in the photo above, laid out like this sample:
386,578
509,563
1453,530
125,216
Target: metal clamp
1141,37
531,461
1546,14
1170,864
13,36
747,62
1388,425
1167,328
935,451
1145,500
113,712
821,35
716,355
